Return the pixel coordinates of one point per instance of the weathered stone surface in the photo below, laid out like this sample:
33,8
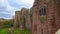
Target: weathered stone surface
52,19
22,19
52,23
16,19
28,20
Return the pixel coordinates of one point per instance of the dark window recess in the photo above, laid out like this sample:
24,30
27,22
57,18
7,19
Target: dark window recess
43,11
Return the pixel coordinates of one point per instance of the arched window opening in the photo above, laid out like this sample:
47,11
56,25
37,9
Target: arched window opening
42,14
43,11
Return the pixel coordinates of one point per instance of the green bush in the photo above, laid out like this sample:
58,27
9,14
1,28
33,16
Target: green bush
8,23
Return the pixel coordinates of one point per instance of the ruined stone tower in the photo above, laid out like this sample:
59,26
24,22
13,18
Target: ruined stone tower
17,19
50,23
22,19
25,18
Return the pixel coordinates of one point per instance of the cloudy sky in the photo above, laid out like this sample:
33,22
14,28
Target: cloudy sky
8,7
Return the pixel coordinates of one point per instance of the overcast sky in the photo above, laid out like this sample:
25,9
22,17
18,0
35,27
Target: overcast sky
8,7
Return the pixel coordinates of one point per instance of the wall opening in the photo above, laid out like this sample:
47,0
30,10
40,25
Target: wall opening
42,13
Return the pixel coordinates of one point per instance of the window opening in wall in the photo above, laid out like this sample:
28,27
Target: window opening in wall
43,11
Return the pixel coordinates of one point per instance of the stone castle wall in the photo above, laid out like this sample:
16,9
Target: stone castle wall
51,25
22,19
25,19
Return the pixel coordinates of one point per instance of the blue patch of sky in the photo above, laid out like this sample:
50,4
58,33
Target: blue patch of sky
5,15
21,5
4,12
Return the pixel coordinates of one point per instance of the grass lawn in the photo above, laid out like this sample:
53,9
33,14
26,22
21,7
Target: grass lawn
16,31
4,31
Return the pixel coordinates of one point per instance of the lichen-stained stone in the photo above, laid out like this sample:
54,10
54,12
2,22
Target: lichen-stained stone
25,19
28,19
22,19
16,19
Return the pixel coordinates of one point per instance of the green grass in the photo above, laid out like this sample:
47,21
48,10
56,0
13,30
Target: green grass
16,31
4,31
25,31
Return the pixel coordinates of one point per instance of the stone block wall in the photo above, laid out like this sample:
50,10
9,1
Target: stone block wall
51,25
16,19
22,19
